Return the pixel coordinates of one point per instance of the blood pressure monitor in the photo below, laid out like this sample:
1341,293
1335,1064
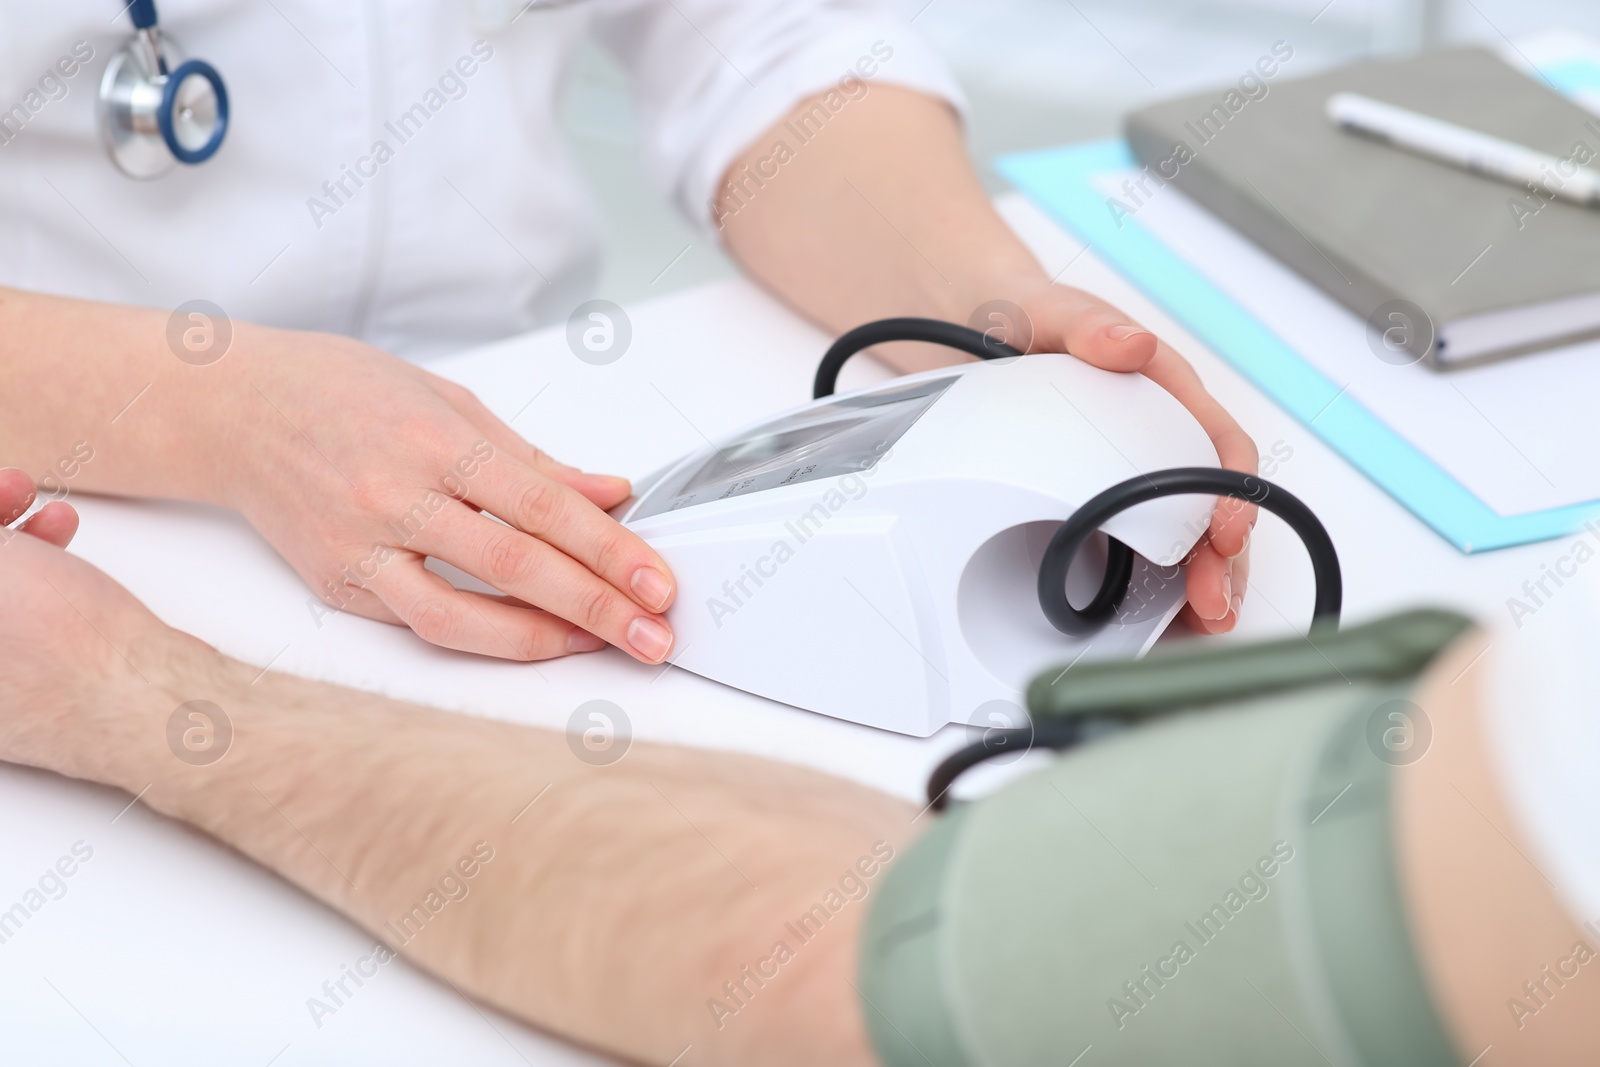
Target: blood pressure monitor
876,556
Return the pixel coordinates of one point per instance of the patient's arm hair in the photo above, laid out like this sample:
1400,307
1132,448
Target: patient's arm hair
636,908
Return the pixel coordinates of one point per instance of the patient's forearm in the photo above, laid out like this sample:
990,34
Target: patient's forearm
610,904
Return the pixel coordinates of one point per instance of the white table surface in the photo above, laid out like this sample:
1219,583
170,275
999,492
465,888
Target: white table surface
170,949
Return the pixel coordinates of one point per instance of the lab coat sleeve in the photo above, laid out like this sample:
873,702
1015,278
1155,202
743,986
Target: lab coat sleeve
710,76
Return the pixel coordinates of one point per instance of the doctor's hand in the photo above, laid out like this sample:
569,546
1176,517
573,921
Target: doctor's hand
1064,319
887,216
358,467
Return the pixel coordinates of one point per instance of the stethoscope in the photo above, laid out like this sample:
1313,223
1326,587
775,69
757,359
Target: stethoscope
153,115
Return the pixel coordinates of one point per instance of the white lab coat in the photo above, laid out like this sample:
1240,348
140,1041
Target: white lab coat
393,169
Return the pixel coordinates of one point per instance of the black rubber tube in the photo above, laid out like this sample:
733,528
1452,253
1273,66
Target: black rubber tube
1055,734
1119,557
1179,481
933,331
1069,539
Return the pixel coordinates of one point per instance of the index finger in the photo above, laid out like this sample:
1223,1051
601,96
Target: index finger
555,513
1233,519
604,489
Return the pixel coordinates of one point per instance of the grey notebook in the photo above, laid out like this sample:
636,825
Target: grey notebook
1496,269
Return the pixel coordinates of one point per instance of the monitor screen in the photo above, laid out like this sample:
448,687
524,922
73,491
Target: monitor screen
828,439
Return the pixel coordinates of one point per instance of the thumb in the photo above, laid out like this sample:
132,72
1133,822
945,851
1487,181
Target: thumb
16,495
1073,321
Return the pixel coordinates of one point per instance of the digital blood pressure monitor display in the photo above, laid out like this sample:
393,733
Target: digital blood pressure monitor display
845,436
1010,531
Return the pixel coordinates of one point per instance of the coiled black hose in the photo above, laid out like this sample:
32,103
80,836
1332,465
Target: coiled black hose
1082,524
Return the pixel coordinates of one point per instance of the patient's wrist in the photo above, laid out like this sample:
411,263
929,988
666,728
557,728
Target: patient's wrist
151,726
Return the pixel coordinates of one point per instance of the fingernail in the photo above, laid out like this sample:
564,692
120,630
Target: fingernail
1122,333
1227,598
651,587
584,641
1236,603
650,639
602,485
1244,544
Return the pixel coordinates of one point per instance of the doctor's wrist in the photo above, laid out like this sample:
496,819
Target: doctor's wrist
188,433
237,419
248,432
1005,297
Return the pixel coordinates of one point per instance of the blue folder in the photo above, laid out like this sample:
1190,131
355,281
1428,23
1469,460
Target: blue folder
1061,182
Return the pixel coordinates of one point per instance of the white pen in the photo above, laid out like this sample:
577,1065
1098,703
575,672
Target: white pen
1477,152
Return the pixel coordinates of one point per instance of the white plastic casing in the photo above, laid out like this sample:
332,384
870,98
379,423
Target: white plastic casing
904,596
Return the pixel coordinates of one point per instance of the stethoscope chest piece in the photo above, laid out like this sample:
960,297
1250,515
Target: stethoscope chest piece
154,115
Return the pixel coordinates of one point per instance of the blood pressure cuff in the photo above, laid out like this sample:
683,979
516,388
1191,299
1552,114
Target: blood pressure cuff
1212,883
